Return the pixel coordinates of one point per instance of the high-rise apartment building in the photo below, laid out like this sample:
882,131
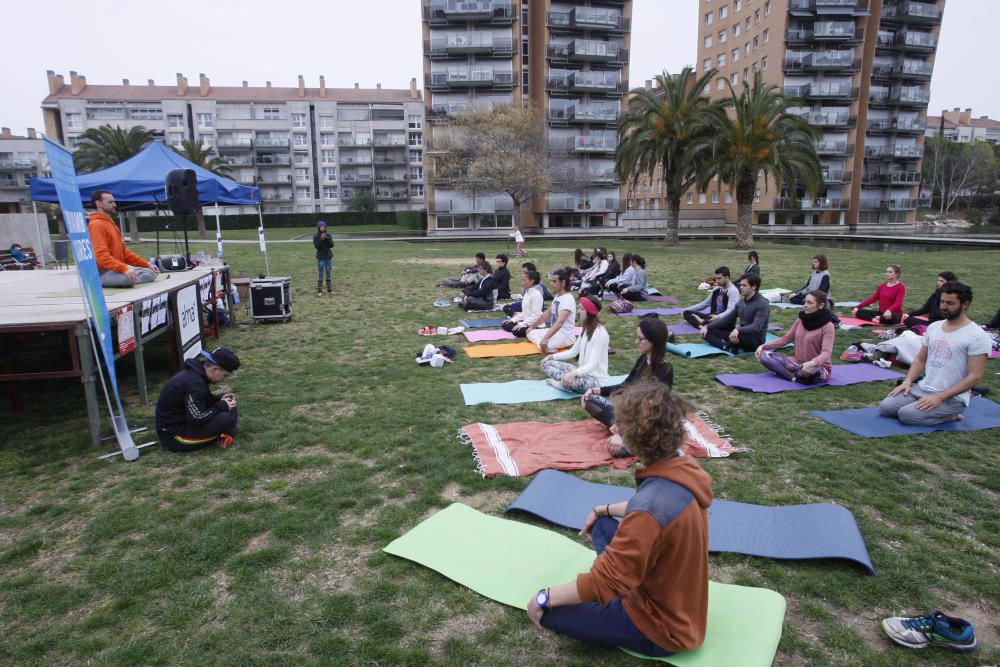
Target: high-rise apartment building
21,159
862,69
309,150
569,60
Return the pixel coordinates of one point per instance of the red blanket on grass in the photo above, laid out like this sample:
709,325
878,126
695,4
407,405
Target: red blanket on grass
523,448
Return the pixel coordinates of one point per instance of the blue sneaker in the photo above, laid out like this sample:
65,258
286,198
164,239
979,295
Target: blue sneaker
934,629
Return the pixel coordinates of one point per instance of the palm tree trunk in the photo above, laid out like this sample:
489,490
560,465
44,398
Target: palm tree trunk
745,193
199,215
673,219
133,226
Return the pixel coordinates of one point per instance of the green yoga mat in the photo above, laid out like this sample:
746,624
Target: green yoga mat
509,561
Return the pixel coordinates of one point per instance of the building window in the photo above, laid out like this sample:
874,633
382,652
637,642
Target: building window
328,156
753,67
416,157
746,49
175,120
330,173
708,18
756,17
701,197
720,84
722,37
763,63
330,192
738,5
416,173
74,121
207,140
301,174
690,198
417,190
756,196
326,122
767,8
416,139
735,79
723,12
722,60
205,120
748,24
270,113
756,43
299,139
176,138
708,45
715,196
328,139
298,120
736,30
729,197
303,193
746,73
300,158
736,55
416,122
767,35
708,89
708,64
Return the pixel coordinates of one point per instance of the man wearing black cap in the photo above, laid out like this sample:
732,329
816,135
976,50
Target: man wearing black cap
188,415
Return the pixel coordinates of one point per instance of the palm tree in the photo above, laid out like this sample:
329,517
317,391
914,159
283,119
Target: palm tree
193,150
752,134
658,132
105,146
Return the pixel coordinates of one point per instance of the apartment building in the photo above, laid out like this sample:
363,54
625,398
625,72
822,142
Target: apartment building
958,125
21,159
567,59
310,150
862,69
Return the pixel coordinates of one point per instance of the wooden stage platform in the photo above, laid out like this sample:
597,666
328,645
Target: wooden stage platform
47,304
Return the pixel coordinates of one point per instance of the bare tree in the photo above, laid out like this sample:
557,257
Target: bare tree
955,170
498,150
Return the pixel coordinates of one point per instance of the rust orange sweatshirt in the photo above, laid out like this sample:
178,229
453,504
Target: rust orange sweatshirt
109,246
657,562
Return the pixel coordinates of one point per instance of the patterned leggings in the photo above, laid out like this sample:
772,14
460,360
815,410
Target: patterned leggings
557,370
788,368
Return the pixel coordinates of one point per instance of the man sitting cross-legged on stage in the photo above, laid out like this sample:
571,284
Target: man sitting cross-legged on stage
188,415
745,327
119,266
953,355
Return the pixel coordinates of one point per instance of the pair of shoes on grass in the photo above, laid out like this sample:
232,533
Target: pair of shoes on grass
933,629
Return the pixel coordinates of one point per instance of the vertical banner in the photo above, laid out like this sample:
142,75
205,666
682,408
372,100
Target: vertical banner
64,177
218,234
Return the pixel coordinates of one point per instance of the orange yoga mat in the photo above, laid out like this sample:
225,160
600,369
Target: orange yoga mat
519,349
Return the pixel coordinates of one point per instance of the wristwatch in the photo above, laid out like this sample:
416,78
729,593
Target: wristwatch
542,598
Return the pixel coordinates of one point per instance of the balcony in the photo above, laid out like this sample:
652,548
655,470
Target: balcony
479,205
394,177
265,143
389,160
239,161
909,97
355,179
887,178
906,40
808,7
585,113
893,152
889,204
582,176
588,50
463,11
841,148
897,126
389,141
588,18
234,144
460,45
486,78
452,109
10,183
822,60
588,82
831,176
354,141
811,204
583,204
391,194
26,163
828,118
920,13
273,161
822,91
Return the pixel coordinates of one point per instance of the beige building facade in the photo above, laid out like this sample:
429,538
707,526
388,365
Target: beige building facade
309,149
21,159
567,59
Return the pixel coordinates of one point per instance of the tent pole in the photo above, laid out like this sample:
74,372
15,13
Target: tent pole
38,229
263,243
218,231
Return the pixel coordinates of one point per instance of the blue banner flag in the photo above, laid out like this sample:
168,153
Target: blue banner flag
64,177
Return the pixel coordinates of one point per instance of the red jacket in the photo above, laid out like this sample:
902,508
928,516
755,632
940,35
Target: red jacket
109,246
658,560
889,298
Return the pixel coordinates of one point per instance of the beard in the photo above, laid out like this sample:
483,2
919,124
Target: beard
952,316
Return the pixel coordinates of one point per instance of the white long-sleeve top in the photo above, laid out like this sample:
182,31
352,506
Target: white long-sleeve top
592,353
531,306
624,279
595,270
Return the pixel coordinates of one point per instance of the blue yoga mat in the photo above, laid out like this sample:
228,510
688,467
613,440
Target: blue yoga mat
981,414
520,391
695,350
792,532
480,324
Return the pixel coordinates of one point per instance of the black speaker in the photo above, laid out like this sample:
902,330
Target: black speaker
182,191
172,263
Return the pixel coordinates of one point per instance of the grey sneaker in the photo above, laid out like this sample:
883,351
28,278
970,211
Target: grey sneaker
934,629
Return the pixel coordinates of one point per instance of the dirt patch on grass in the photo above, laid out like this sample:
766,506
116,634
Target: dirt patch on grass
484,501
464,626
220,586
434,261
256,543
325,411
336,569
983,617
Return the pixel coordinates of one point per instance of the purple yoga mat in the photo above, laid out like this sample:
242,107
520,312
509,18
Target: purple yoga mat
650,311
490,335
653,297
684,328
769,383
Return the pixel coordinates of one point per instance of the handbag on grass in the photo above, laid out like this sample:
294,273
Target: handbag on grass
621,305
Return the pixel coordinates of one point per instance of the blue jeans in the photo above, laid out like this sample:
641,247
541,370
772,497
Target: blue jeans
325,268
596,623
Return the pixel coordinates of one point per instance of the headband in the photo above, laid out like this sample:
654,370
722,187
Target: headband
588,306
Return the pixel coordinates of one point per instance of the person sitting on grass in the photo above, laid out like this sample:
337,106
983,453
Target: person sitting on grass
651,339
581,262
637,287
589,277
931,310
470,274
889,295
502,276
952,359
819,279
511,308
590,350
753,268
563,309
625,276
813,334
647,591
752,314
719,303
188,415
531,306
483,295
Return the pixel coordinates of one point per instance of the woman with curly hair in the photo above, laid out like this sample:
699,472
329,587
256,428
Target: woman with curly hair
648,589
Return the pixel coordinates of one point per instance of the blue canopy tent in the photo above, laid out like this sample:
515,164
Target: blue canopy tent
138,183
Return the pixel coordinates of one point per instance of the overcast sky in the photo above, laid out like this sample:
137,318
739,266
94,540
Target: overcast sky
365,42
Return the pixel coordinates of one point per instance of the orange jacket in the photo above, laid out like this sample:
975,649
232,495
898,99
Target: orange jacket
657,562
109,246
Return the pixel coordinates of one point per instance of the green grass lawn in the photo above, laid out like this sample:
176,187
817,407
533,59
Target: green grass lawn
269,553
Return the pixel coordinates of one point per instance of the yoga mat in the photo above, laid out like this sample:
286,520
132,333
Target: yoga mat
844,304
520,391
994,355
523,448
499,334
651,311
840,376
696,350
508,562
792,532
982,413
519,349
784,306
684,328
480,324
775,291
855,322
654,298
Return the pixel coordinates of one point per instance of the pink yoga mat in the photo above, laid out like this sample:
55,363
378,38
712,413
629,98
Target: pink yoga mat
489,335
855,322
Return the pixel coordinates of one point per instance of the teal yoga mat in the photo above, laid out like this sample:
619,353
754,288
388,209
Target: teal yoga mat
695,350
508,562
520,391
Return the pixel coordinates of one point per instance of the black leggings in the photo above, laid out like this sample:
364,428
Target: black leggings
600,409
695,318
869,315
720,339
192,438
509,327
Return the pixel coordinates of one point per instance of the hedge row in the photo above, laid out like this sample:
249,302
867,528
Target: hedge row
416,220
